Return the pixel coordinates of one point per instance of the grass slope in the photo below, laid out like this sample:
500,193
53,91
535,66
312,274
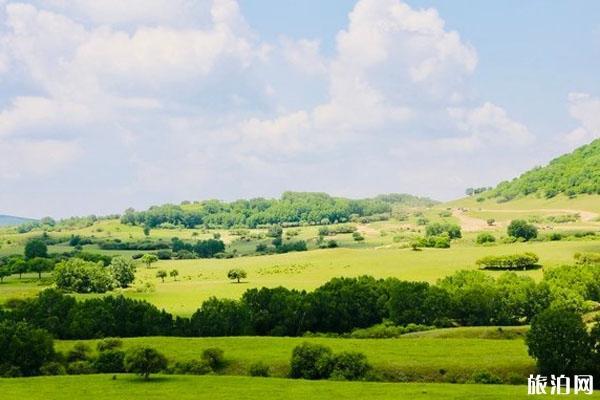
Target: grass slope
413,359
103,387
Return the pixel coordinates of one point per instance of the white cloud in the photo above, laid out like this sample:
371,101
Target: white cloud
305,55
586,110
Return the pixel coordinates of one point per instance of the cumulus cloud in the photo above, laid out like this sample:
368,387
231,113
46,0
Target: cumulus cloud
585,108
184,95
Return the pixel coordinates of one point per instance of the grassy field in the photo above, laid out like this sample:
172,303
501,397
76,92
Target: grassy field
411,358
202,278
104,387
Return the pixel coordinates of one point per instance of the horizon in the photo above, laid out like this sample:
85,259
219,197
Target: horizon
105,107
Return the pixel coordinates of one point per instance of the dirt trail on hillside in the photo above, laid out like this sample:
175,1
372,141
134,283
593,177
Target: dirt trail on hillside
586,216
468,223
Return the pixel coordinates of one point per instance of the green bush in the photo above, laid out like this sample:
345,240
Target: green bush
110,361
109,344
53,368
350,366
192,367
515,261
485,377
311,361
519,228
485,237
259,369
144,361
438,229
83,277
214,358
81,368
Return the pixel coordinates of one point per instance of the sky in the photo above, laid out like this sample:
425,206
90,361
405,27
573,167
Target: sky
111,104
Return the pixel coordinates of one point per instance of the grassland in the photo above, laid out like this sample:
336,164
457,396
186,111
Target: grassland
412,358
104,387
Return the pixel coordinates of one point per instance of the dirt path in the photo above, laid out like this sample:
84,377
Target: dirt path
586,216
468,223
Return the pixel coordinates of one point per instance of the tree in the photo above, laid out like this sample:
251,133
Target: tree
149,259
4,272
520,228
35,248
19,267
144,361
236,273
490,221
559,342
39,265
162,274
122,270
311,361
174,274
146,231
24,348
83,276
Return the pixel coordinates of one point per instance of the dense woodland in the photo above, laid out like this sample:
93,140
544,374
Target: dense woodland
570,174
292,209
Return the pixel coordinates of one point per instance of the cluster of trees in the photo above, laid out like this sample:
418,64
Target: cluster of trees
82,276
571,174
316,361
513,261
292,209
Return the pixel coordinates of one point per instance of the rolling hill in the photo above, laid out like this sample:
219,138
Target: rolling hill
6,220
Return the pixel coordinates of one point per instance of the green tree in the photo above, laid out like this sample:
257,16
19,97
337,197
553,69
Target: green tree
122,270
35,248
236,274
520,228
24,348
149,259
162,274
39,265
144,361
174,274
559,342
311,361
5,271
19,267
83,276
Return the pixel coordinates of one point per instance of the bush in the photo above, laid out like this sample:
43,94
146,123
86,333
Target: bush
109,344
485,237
110,361
521,229
350,366
53,368
516,261
437,229
259,369
79,352
485,377
24,349
192,367
311,361
214,358
80,368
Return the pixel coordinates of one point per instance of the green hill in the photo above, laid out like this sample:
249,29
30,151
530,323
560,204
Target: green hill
6,220
571,174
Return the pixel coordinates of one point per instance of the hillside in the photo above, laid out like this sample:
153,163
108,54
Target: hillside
6,220
571,174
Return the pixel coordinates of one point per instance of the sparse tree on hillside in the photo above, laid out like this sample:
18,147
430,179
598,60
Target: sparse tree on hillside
39,265
144,361
174,274
149,259
162,274
237,274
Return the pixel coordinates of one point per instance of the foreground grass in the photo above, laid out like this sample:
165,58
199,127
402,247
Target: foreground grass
103,387
403,359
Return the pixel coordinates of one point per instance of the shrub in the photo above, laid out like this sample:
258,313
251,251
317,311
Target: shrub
214,358
521,229
110,361
192,367
485,237
485,377
350,366
80,368
311,361
587,258
516,261
437,229
109,344
79,352
53,368
259,369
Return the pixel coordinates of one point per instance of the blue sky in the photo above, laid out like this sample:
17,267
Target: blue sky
106,105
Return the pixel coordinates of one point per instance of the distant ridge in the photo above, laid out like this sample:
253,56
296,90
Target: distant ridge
6,220
571,174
